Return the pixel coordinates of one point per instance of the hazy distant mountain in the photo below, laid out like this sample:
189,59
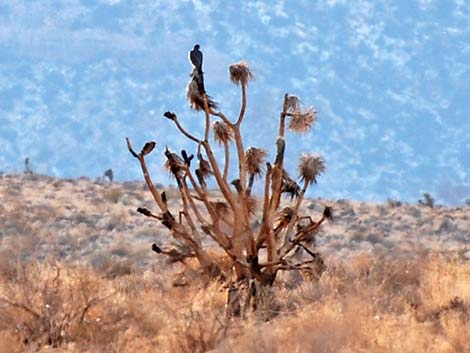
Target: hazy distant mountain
390,80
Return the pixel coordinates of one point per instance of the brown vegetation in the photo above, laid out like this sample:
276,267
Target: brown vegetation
369,304
397,279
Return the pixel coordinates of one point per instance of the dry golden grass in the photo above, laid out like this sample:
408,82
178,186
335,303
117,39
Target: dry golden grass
368,304
398,280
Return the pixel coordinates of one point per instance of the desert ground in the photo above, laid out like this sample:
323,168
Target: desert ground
77,274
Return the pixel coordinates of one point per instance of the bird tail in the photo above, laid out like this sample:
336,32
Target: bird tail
211,103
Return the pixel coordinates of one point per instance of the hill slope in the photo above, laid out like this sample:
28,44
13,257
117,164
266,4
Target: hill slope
397,279
84,220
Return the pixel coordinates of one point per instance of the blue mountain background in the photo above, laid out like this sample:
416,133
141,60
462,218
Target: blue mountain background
390,81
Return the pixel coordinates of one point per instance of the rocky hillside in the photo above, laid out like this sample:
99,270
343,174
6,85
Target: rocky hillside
96,222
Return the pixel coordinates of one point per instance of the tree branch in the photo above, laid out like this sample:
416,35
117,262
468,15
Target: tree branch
300,235
183,131
148,180
221,116
277,174
224,188
183,194
227,160
293,220
243,106
221,238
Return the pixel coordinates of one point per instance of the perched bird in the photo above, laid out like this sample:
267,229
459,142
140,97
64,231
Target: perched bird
195,90
195,57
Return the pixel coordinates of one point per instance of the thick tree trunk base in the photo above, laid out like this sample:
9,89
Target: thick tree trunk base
251,298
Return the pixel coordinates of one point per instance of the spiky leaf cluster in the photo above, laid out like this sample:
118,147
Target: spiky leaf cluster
222,132
254,159
302,121
240,73
310,167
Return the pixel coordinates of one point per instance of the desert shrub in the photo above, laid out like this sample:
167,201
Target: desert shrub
113,195
109,174
381,302
427,200
50,305
27,166
394,203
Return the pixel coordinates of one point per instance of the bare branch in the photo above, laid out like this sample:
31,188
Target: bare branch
224,188
308,251
148,213
221,116
220,237
265,226
173,254
227,160
182,130
131,150
243,106
300,236
282,118
148,179
277,174
293,220
198,215
241,157
184,195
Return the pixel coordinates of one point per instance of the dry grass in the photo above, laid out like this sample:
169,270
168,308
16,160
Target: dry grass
370,304
77,275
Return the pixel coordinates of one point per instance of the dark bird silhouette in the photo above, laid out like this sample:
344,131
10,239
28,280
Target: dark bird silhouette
195,91
195,57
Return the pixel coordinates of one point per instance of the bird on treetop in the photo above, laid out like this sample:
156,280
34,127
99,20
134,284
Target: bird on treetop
195,57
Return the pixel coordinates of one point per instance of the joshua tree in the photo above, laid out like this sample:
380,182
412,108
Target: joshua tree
109,174
427,200
256,253
27,167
